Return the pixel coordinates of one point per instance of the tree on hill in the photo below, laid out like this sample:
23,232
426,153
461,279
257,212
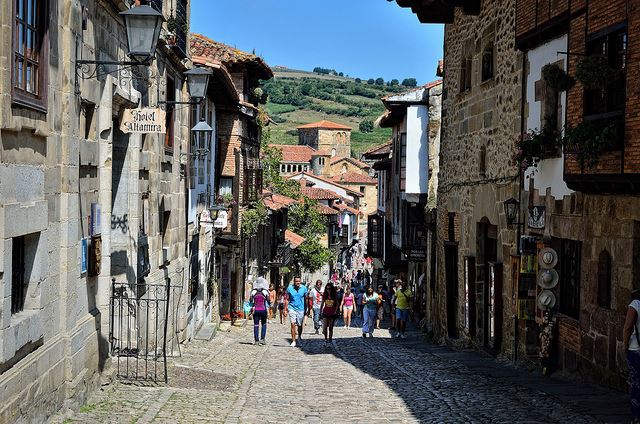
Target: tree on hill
394,82
340,74
409,82
366,126
379,81
358,80
371,81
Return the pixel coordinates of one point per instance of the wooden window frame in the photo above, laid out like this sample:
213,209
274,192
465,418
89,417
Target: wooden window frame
21,97
170,96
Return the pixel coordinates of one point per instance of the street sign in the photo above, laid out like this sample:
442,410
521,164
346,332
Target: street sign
144,121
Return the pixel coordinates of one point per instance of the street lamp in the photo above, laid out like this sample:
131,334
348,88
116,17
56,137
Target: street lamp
142,26
197,82
511,209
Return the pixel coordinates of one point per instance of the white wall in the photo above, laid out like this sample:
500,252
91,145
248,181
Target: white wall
417,151
550,172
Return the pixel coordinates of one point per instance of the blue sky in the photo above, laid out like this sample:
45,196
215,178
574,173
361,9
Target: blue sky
362,38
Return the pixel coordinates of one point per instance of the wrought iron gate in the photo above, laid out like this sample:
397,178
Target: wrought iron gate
139,320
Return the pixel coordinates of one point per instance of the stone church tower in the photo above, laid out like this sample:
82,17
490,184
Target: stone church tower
326,136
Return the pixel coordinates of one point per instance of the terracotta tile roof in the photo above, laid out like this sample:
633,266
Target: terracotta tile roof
296,153
287,201
354,178
318,193
380,149
326,210
343,207
311,177
432,84
205,47
294,239
355,162
328,125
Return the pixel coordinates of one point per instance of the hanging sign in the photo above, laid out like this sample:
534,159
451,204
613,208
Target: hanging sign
143,121
537,217
221,221
205,219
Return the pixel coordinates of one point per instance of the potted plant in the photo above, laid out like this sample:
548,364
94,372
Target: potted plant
588,140
533,146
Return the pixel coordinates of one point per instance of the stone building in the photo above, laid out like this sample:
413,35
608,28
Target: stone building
326,136
481,118
81,202
238,168
590,209
368,187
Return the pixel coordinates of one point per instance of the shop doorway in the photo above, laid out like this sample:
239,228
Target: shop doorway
451,276
488,294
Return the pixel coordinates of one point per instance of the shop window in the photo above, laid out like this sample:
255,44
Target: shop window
466,68
29,68
570,258
604,280
487,62
170,116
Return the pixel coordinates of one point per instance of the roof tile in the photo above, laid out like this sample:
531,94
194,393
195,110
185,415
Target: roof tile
324,124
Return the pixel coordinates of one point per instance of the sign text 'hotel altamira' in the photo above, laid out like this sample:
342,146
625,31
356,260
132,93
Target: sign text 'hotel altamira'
143,121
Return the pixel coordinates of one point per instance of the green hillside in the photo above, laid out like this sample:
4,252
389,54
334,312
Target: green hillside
299,97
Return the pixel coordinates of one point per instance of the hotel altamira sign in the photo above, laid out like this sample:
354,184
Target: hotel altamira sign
143,121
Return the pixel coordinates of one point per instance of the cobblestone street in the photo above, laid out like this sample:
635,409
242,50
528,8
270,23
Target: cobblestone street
355,380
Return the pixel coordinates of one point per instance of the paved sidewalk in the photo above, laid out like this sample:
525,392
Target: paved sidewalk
229,380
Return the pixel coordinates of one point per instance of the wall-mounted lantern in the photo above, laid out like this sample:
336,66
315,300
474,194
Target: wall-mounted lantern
511,209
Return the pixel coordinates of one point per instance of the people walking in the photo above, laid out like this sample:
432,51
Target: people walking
315,300
294,307
281,298
348,306
259,300
329,309
631,340
272,303
360,305
370,301
380,310
403,307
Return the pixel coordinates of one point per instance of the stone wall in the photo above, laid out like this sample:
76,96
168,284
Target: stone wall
53,165
479,128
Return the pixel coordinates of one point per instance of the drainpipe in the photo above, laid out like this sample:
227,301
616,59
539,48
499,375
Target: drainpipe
523,95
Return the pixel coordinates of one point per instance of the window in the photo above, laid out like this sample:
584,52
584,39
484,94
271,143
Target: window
18,280
226,186
465,74
604,280
451,226
362,188
375,238
487,63
482,163
282,168
288,168
30,53
403,162
570,255
170,117
611,99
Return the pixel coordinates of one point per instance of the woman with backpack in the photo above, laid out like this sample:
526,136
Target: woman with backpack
631,339
329,308
259,301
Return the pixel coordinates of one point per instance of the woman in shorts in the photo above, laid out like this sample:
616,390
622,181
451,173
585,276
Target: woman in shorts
348,306
329,308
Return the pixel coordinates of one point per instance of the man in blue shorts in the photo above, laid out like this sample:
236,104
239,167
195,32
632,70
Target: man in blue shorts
295,305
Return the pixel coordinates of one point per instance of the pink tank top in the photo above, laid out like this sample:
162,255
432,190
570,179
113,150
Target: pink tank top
348,300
